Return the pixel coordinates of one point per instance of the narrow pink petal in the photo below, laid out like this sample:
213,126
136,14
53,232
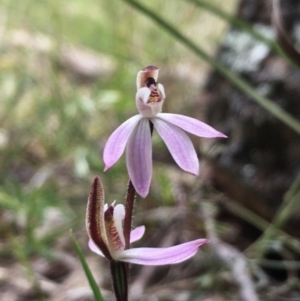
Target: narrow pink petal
191,125
94,248
162,256
179,145
139,157
116,143
137,234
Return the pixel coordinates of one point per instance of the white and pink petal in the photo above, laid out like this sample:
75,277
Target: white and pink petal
191,125
139,157
162,256
117,141
137,234
179,145
119,214
161,89
94,248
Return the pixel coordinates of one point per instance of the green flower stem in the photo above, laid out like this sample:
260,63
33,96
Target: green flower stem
271,107
119,276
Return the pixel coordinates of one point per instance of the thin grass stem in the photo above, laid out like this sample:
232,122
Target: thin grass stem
237,81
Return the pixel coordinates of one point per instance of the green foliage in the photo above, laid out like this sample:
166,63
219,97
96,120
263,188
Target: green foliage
88,273
54,123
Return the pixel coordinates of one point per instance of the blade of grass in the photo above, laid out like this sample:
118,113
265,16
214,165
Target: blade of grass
276,264
261,224
291,202
87,270
241,84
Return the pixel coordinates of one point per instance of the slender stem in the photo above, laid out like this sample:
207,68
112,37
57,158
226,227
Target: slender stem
130,197
119,276
261,224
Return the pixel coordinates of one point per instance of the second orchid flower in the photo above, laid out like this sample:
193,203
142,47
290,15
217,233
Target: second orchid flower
105,229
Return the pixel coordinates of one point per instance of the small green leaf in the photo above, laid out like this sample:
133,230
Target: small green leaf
87,270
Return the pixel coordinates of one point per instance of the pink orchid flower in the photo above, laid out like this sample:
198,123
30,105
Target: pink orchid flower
136,135
104,226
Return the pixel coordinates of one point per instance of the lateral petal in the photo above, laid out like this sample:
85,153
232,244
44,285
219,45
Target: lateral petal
119,214
191,125
179,145
161,90
162,256
115,243
137,233
117,141
142,95
139,157
141,99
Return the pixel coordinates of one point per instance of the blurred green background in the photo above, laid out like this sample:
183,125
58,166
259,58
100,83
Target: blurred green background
67,80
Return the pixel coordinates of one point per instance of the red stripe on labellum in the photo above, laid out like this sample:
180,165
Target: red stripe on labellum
154,97
113,236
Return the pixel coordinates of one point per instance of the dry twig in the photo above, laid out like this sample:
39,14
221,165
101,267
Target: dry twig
231,257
